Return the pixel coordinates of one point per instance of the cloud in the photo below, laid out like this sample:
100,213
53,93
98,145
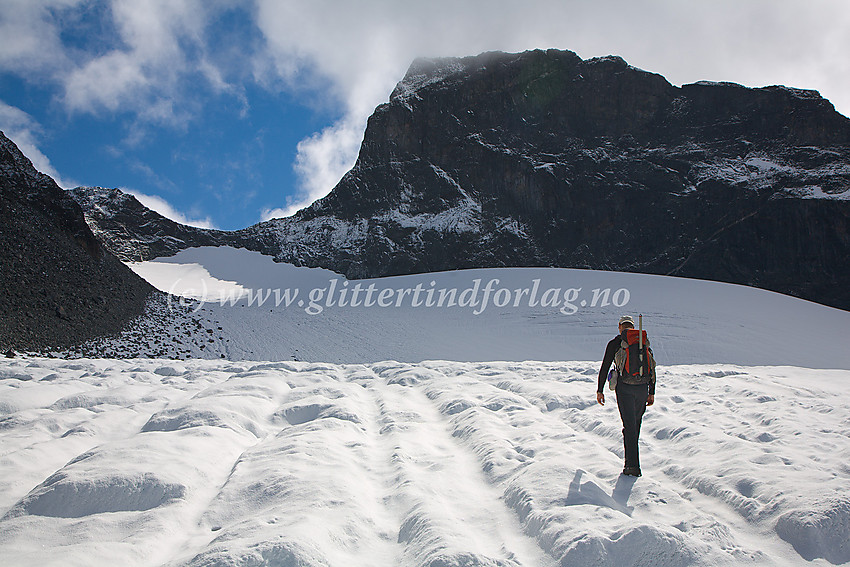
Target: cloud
161,61
320,162
269,214
31,33
149,70
354,52
149,59
22,129
161,206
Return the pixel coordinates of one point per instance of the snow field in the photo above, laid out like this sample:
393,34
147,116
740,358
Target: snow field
216,463
689,321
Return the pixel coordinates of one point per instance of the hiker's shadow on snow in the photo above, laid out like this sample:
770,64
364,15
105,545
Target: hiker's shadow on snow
590,493
623,491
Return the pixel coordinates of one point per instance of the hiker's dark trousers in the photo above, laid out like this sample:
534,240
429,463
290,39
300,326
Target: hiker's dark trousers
631,400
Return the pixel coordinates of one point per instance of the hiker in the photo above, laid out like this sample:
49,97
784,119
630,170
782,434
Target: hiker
634,393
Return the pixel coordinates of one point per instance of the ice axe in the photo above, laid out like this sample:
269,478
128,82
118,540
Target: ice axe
640,343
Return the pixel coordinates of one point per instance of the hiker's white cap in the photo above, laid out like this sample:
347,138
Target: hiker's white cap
627,319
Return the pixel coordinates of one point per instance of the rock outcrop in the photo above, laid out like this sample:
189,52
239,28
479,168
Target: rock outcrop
60,287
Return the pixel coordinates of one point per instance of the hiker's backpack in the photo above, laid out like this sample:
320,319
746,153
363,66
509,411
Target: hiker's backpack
628,359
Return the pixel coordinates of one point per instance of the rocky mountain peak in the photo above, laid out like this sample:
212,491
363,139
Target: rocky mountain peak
544,159
60,287
16,168
20,181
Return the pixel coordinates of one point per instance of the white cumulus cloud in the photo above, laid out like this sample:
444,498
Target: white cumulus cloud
163,207
31,32
141,57
161,47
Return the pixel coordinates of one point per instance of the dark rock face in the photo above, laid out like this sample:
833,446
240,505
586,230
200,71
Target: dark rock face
59,286
545,159
134,233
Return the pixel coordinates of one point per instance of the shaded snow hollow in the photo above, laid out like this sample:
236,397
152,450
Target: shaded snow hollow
216,463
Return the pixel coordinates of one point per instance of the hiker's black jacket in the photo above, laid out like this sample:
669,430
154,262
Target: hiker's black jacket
608,359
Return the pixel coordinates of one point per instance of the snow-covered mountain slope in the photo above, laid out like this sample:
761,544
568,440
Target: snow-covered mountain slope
689,321
220,463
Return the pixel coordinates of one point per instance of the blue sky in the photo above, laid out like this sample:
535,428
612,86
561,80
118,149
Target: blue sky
227,112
